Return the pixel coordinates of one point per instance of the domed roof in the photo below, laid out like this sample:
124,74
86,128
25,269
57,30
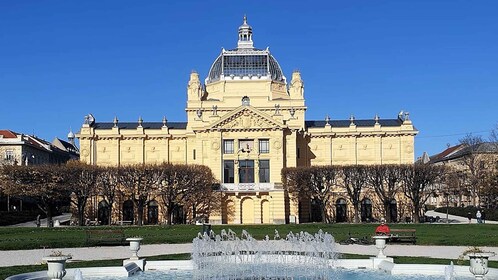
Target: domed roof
70,135
245,62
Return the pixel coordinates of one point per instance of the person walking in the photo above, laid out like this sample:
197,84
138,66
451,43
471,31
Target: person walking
469,216
478,216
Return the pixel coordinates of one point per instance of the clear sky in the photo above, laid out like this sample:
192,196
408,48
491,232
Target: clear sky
438,60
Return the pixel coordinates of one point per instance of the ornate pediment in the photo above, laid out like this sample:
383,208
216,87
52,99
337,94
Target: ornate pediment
246,118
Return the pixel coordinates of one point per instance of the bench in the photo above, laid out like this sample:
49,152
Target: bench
403,235
105,237
124,223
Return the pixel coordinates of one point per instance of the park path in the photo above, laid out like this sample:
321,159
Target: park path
456,219
27,257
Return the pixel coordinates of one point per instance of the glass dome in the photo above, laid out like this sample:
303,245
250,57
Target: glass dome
245,62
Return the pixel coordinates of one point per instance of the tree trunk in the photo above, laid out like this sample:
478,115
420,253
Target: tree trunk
356,213
387,212
110,212
416,214
324,213
169,212
140,210
81,211
50,222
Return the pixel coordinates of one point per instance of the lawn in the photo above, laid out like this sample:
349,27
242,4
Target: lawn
12,238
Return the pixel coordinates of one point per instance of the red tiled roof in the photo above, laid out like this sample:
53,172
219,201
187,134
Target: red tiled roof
8,134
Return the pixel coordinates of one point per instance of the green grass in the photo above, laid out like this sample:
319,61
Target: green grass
67,237
13,270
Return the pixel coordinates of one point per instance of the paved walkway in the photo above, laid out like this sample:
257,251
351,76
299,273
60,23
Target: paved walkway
455,219
26,257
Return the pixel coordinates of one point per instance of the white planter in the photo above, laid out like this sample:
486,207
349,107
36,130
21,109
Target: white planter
134,246
479,264
380,243
56,266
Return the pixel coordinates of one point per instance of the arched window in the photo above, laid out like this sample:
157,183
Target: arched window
103,212
393,211
341,210
366,210
128,211
152,213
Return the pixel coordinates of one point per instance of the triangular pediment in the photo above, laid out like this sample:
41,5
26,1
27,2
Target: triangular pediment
246,117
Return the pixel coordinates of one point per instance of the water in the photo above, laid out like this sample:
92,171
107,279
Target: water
226,256
297,256
449,272
337,274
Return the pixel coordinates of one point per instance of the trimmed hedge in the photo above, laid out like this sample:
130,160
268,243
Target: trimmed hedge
491,214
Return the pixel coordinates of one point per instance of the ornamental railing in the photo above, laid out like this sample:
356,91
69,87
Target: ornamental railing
248,187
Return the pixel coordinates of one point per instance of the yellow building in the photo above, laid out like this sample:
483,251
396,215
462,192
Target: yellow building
246,122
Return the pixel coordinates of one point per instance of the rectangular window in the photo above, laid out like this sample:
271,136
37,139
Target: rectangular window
246,145
264,171
228,146
264,146
193,154
246,171
228,171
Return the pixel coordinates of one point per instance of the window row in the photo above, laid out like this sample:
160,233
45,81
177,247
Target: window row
246,171
246,146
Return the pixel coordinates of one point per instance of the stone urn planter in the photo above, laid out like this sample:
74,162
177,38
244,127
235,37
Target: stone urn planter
380,244
134,246
56,266
479,263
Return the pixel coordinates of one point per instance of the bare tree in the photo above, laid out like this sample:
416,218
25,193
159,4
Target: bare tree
313,183
198,181
419,183
108,186
355,180
45,184
385,180
139,183
474,161
82,181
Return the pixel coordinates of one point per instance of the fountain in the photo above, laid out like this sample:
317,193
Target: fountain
295,256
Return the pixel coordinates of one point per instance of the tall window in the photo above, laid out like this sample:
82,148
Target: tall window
264,171
228,171
228,146
264,146
246,171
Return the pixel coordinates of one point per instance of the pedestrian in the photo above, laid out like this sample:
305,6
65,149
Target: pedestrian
469,216
478,216
483,216
38,223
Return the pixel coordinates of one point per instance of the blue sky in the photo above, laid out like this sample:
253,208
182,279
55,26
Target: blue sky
438,60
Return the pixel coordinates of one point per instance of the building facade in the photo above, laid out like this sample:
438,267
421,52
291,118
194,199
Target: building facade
247,122
23,149
469,167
